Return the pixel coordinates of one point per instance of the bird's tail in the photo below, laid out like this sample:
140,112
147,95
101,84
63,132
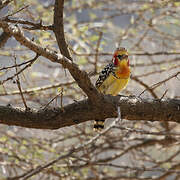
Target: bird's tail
98,124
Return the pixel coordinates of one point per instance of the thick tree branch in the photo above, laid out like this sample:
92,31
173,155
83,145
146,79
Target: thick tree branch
3,38
59,28
131,109
81,77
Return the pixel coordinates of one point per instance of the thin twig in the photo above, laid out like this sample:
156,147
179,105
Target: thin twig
81,77
146,86
19,10
164,94
20,71
61,102
37,89
50,101
79,147
5,4
18,65
140,131
160,53
34,26
97,50
19,85
154,86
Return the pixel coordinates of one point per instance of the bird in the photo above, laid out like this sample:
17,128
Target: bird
113,78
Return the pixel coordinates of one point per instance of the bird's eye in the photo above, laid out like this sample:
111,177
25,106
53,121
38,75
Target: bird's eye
120,56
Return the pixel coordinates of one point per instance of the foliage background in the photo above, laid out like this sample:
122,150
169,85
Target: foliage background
131,149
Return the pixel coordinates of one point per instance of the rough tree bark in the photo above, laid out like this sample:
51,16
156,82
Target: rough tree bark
79,112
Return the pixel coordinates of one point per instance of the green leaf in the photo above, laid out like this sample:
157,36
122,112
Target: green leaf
94,38
82,61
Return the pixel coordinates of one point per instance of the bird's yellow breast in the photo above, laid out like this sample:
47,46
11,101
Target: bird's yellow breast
112,85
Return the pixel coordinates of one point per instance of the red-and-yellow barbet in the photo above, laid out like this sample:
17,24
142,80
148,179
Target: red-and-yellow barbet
113,78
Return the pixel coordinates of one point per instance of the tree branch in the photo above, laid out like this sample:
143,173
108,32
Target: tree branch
79,112
81,77
59,28
5,3
3,38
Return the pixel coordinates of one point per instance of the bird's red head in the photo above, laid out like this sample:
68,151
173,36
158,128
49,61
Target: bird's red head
120,55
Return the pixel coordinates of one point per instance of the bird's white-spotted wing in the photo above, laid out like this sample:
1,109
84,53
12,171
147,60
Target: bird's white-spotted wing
104,74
